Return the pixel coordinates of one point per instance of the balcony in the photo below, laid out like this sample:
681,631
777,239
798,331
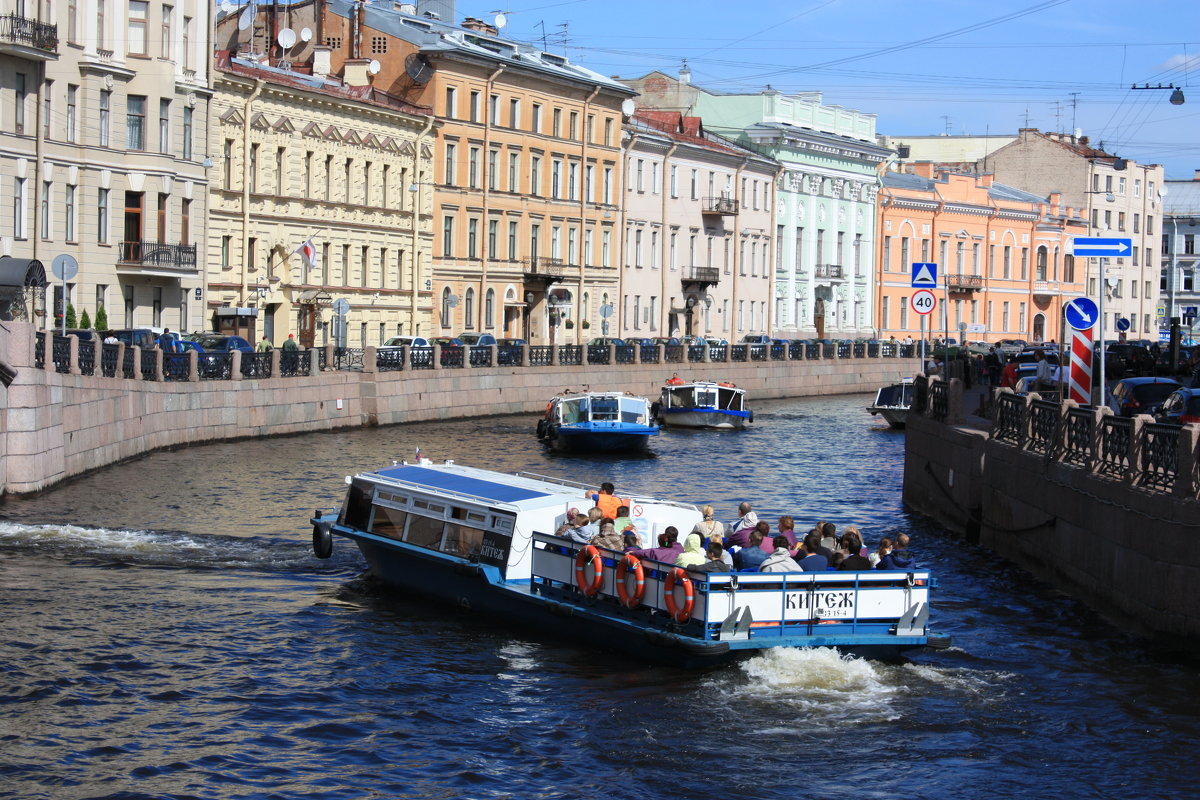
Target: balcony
701,277
175,257
720,206
546,270
28,38
831,271
1045,290
964,283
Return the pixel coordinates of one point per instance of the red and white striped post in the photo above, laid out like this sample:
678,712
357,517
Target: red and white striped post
1081,366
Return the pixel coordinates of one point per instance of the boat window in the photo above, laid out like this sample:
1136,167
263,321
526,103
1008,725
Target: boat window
730,399
706,398
356,510
570,411
462,540
425,532
686,397
467,514
388,522
633,409
604,408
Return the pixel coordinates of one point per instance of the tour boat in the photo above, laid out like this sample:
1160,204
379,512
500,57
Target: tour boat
485,542
597,422
703,404
892,402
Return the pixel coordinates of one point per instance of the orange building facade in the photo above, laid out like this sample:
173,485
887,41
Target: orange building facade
1004,263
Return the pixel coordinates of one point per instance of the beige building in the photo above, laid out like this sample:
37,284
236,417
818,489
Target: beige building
302,158
697,249
103,113
1122,201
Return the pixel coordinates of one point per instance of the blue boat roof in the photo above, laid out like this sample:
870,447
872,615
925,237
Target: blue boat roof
463,484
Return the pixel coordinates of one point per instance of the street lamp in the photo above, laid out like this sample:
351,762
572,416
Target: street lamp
1176,98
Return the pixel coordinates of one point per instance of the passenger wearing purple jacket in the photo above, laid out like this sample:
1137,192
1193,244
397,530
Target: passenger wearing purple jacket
668,548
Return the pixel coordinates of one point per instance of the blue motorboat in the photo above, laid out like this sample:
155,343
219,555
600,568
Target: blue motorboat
597,422
485,542
703,404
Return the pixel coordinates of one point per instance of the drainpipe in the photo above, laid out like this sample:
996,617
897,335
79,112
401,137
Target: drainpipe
259,83
666,232
414,289
623,238
487,178
773,215
583,208
738,197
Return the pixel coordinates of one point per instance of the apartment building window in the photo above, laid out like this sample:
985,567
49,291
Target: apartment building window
101,28
1150,221
186,44
589,185
608,185
168,13
820,246
587,247
493,180
493,232
135,40
858,254
451,102
251,246
573,125
474,109
639,175
73,21
841,242
1024,266
514,159
105,115
69,213
590,128
135,122
472,237
72,101
19,95
280,160
572,180
514,114
494,109
185,221
308,167
254,168
164,126
451,148
349,197
535,238
605,248
556,179
556,123
608,131
161,230
47,191
187,134
535,175
473,167
47,109
1007,270
535,123
447,236
102,216
512,240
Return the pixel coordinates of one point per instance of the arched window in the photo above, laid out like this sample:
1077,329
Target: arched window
587,301
469,309
1043,257
1069,268
446,307
489,309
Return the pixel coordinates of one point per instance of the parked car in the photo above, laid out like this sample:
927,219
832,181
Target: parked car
219,343
404,341
601,341
1011,347
1133,396
449,345
508,351
136,337
666,340
473,339
1162,365
755,338
1128,359
83,334
1181,407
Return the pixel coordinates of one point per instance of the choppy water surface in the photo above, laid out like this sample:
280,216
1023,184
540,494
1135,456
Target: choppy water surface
168,634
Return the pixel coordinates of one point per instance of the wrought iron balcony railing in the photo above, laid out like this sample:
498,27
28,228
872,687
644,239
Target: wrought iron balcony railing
725,206
964,283
828,271
709,276
179,256
15,29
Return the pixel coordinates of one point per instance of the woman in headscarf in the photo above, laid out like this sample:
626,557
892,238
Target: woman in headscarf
693,552
709,527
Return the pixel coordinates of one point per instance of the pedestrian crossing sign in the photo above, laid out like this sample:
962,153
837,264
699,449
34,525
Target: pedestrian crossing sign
924,275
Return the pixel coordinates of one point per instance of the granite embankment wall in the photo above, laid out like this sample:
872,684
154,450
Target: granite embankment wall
54,426
1079,504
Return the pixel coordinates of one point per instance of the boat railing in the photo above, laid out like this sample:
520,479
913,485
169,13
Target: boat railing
768,604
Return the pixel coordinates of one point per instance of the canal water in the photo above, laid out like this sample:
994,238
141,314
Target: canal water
168,634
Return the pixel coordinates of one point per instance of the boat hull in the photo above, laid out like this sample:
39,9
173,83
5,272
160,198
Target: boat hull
896,417
712,419
592,441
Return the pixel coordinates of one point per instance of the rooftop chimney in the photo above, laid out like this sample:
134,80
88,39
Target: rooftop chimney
320,65
685,74
474,24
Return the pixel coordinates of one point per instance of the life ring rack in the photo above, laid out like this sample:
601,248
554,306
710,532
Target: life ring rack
630,562
589,555
678,576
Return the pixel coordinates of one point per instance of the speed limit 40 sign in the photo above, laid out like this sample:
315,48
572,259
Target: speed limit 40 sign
922,301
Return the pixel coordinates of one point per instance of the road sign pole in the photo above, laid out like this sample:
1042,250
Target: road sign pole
1080,380
1103,387
922,342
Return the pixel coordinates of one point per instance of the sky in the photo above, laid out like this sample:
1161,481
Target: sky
924,67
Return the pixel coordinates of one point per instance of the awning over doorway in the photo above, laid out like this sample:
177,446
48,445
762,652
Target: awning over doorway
22,272
314,297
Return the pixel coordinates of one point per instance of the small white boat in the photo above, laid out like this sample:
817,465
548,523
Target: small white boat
703,404
892,402
484,542
597,422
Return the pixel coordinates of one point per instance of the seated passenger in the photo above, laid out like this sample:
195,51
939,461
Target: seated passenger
885,547
768,541
608,537
693,552
853,552
716,559
813,561
779,560
749,557
632,542
623,522
726,556
561,530
787,528
899,558
828,533
709,527
668,548
738,531
581,530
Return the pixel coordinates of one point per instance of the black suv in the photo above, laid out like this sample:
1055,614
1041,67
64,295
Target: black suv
1125,359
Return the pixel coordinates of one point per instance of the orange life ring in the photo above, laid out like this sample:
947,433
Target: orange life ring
680,613
726,384
589,555
675,381
631,562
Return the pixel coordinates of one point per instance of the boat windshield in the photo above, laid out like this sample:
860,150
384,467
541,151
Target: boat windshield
633,410
706,397
731,400
572,411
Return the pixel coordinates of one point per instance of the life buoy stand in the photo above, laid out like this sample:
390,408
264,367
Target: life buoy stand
322,541
678,576
589,555
631,563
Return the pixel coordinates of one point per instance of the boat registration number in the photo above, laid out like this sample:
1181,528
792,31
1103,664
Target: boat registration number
824,604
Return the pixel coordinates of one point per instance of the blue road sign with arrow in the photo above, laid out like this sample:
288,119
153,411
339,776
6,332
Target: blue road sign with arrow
924,275
1116,248
1081,313
1123,324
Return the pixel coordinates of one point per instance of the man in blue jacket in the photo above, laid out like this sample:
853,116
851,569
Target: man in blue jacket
900,557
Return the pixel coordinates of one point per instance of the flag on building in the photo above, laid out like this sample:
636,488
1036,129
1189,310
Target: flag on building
309,253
